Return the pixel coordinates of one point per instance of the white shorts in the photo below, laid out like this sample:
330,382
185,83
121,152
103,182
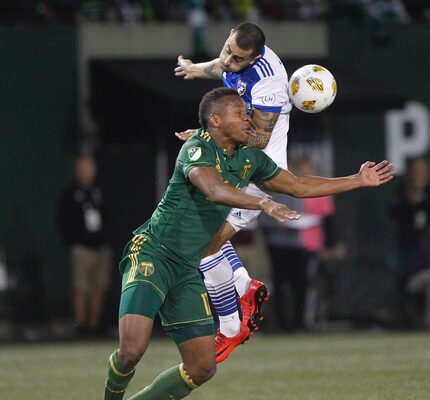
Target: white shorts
240,218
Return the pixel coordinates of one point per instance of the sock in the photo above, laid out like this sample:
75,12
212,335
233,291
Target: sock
173,383
219,283
241,278
118,378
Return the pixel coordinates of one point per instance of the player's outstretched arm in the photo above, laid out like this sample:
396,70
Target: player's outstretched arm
209,181
206,70
370,175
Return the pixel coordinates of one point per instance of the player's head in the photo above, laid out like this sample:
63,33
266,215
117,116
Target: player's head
242,48
223,111
85,170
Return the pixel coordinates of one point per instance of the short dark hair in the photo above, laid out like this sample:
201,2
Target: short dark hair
250,36
209,101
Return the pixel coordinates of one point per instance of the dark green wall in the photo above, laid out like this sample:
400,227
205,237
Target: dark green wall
37,119
401,62
366,282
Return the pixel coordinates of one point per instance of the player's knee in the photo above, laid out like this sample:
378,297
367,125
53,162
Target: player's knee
129,356
202,371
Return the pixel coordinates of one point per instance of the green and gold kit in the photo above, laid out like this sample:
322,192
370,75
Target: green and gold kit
185,220
166,251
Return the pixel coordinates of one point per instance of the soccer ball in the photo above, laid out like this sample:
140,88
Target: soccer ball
312,88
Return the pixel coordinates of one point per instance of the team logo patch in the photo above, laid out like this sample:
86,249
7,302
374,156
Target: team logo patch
194,153
146,268
245,171
241,87
268,99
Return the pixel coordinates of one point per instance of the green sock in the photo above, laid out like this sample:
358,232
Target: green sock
173,383
118,378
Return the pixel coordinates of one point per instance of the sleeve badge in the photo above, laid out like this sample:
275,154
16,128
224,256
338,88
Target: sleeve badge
194,153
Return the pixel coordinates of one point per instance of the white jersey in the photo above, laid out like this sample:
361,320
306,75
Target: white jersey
264,86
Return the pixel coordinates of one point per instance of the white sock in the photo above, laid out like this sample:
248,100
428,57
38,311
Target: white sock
241,277
219,283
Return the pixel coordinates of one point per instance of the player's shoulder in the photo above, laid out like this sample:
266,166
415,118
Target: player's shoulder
201,143
251,152
269,66
199,137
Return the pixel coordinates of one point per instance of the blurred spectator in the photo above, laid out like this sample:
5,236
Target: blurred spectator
381,13
197,20
245,10
96,11
312,9
295,248
410,209
131,11
81,220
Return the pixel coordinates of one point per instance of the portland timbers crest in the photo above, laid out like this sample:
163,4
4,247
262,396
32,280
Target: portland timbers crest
194,153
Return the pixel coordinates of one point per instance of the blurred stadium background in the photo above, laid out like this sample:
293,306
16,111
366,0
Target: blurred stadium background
98,76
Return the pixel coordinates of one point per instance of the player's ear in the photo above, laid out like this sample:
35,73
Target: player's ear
215,121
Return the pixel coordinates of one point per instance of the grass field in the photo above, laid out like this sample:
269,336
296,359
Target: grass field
309,367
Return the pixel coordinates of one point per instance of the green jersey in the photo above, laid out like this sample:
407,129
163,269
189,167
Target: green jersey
185,221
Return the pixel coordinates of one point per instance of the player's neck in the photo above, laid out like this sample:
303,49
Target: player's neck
227,144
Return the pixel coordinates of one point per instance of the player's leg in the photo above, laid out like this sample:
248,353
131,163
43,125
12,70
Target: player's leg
218,278
142,296
253,294
217,275
187,319
177,382
138,306
222,270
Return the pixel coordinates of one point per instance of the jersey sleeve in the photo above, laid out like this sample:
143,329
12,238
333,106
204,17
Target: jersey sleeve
266,168
270,94
195,153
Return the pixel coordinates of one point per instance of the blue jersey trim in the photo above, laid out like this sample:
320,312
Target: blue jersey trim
268,65
267,109
264,67
261,67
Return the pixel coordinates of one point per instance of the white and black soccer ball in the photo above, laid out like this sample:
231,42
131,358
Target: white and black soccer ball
312,88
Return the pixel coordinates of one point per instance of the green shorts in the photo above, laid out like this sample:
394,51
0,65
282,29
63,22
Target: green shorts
152,284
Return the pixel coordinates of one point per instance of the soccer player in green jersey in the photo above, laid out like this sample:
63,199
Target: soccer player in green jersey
160,265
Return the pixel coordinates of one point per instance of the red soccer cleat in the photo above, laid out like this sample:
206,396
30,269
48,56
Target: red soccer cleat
251,304
225,345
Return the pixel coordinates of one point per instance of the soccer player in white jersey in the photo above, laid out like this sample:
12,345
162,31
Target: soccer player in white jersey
247,65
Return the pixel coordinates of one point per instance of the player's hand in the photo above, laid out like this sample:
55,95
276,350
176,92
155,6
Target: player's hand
372,174
184,68
185,135
278,211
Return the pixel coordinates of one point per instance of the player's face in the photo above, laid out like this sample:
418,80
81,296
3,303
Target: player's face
232,58
235,123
